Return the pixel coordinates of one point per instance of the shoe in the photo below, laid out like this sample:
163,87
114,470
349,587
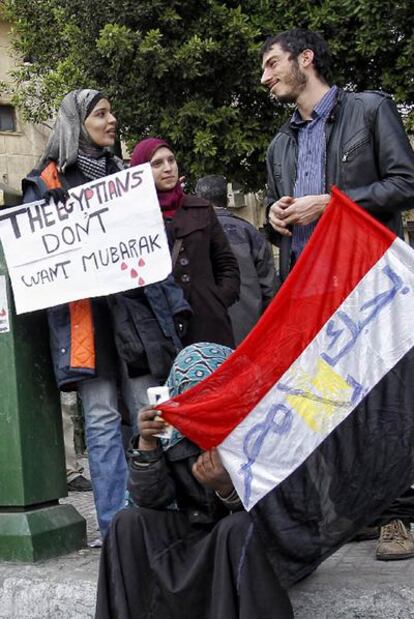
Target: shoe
396,542
79,484
366,533
95,543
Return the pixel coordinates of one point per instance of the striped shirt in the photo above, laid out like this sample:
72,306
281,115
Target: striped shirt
310,173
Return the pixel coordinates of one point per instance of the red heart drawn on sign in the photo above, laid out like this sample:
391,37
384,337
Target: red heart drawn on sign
89,194
141,262
141,282
133,273
124,266
2,312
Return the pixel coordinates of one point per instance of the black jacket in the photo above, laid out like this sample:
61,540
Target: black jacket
144,322
368,157
206,270
158,479
258,279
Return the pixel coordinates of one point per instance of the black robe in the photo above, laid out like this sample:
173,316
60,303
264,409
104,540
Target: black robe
193,560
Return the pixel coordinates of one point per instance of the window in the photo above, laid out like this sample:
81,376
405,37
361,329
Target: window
7,118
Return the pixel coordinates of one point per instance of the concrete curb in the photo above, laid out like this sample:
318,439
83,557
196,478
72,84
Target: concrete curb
21,598
62,588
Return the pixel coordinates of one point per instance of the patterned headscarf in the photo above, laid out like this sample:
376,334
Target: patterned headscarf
69,133
191,366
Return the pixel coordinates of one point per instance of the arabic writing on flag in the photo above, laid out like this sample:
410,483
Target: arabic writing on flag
301,412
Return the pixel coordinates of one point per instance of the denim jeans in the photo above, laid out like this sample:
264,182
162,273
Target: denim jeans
106,454
134,391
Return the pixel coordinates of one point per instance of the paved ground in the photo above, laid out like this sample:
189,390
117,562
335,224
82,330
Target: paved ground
351,584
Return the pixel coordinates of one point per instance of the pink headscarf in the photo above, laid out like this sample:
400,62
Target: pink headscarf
142,153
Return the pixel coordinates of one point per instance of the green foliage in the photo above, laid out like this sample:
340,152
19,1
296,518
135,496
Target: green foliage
189,70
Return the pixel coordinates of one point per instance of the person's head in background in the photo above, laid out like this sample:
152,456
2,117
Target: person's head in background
159,154
213,188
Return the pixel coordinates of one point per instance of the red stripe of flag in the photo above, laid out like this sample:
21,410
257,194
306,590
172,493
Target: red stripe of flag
345,245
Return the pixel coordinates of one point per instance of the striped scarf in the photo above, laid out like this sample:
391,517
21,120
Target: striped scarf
92,168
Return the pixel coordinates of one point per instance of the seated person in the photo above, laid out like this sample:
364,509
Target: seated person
188,548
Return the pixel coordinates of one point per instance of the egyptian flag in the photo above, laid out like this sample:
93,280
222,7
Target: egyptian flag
313,414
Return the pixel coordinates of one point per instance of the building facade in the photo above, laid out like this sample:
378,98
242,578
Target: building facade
21,143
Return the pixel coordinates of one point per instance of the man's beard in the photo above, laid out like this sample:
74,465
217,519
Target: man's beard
296,81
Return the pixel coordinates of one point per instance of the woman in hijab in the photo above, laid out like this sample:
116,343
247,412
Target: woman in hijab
188,549
203,262
82,340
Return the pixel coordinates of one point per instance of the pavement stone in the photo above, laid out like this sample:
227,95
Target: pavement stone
351,584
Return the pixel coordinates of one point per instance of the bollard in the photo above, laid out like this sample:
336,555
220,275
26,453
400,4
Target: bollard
33,525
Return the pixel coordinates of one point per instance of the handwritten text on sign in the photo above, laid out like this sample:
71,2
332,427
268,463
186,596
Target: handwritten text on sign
108,237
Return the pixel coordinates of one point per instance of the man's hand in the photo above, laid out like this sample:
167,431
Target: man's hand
303,211
277,215
149,423
209,471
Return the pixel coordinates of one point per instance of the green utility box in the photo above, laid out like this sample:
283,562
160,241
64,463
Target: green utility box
33,525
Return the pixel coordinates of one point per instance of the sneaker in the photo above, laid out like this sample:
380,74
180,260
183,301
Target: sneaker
95,543
79,484
396,542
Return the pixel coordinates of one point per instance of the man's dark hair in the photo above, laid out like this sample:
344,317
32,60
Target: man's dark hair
213,188
296,41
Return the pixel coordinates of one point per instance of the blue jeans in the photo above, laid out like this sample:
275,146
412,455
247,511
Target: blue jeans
106,454
107,462
134,391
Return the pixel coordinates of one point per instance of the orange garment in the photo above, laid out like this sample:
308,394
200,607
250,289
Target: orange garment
82,340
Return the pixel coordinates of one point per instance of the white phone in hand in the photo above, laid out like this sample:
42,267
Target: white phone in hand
155,396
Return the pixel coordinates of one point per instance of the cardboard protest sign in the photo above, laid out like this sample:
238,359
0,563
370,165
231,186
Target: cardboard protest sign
108,237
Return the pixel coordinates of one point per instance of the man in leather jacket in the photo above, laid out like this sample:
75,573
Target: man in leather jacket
355,141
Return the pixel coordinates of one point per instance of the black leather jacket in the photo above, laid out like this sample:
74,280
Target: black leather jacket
159,478
368,157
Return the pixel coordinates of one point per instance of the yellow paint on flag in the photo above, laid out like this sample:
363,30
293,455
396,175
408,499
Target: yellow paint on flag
323,396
